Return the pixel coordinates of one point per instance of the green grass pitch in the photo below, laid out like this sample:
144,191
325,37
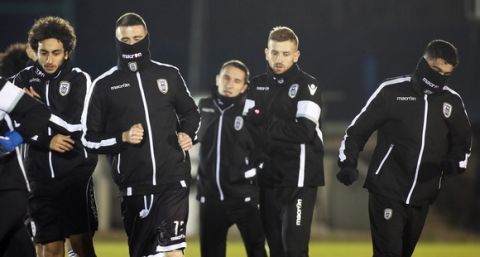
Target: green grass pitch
317,249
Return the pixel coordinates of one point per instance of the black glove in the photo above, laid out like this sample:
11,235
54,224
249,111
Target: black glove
452,167
257,116
347,175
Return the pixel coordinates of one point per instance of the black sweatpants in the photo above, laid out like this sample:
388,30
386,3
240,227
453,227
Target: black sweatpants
215,220
14,238
287,214
395,226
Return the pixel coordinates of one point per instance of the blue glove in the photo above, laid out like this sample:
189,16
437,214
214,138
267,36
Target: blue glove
9,141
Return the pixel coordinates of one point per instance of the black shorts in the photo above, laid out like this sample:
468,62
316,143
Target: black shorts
14,239
62,207
156,222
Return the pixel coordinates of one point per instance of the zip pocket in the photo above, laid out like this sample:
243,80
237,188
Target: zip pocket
440,181
118,163
384,159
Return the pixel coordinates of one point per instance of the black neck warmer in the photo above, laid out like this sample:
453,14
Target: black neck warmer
40,72
429,80
286,77
133,57
224,101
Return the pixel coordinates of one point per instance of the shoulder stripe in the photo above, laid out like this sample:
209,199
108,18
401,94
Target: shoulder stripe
165,64
86,143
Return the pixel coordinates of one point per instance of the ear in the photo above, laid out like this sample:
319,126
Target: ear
67,54
296,56
217,80
266,54
244,88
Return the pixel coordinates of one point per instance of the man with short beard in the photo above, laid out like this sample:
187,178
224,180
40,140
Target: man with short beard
284,106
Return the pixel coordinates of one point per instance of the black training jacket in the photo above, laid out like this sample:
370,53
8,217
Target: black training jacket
227,168
64,93
12,171
292,137
156,96
416,132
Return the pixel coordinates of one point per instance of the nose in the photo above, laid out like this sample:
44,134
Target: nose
49,59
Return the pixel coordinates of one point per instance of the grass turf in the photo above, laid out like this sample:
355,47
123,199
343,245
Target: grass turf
317,249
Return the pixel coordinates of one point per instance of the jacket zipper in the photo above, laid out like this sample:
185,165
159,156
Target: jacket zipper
50,161
384,159
219,145
149,129
217,166
424,131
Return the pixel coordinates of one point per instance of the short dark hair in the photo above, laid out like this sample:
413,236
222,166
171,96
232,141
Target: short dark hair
130,19
439,48
239,65
52,27
13,60
282,33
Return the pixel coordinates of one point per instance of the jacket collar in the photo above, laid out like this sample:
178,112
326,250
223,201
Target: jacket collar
40,72
285,78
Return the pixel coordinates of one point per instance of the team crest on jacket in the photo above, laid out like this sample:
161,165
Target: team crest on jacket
447,110
238,124
162,85
387,213
133,66
292,91
64,88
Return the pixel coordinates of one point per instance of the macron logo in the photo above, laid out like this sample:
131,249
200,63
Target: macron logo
208,110
131,56
124,85
312,88
263,88
406,98
429,83
298,221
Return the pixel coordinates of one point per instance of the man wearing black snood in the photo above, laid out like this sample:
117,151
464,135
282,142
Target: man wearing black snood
227,188
141,114
423,136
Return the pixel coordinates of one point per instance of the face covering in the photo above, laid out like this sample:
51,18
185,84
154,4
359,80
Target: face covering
224,101
430,80
133,56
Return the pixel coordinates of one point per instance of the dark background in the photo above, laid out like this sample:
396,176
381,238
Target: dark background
349,45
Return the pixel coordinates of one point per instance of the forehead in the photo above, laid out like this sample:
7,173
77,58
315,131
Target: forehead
233,71
50,44
282,46
130,31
